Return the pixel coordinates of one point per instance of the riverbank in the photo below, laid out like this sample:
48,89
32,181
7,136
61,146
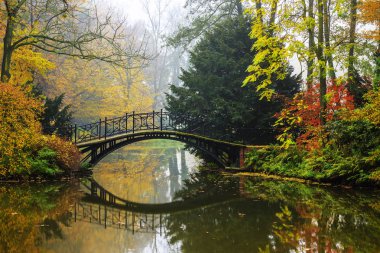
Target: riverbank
325,166
63,177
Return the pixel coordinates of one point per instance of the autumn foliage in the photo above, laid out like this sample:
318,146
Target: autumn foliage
370,111
20,129
370,14
300,119
68,155
21,138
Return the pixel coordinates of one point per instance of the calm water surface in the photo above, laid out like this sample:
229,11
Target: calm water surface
183,208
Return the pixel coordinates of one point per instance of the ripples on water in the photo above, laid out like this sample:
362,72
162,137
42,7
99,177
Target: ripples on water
212,212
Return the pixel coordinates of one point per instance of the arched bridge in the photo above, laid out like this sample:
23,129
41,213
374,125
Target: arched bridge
96,140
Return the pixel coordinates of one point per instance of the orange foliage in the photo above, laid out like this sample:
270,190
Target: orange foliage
20,129
68,155
370,13
300,120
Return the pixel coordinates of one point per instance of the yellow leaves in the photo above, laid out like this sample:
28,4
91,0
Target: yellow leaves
19,128
286,140
370,111
370,13
260,56
271,55
284,228
26,62
96,89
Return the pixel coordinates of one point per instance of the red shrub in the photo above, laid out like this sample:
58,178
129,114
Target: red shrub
68,155
300,119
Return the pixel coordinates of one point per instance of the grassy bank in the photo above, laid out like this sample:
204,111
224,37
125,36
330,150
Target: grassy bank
329,165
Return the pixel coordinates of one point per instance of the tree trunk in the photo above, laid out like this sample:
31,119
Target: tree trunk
7,50
273,12
353,18
310,60
321,63
239,7
329,57
258,6
376,80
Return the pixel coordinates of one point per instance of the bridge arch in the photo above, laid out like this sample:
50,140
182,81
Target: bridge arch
222,153
97,194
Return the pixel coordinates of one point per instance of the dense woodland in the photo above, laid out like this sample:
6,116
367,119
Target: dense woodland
300,76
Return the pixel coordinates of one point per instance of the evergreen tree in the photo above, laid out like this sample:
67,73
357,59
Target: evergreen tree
212,98
56,117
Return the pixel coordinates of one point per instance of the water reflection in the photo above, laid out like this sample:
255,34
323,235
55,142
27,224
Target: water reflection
32,214
214,212
149,171
319,219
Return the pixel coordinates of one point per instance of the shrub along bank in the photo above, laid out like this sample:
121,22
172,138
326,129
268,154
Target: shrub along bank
346,150
24,151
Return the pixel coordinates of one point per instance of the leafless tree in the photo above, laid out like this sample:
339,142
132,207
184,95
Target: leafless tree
65,27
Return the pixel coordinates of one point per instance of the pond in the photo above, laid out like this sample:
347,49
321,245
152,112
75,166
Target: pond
163,199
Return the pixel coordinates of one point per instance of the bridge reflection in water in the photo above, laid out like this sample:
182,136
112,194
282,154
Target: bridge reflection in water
101,207
117,218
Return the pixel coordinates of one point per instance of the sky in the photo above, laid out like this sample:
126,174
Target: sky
133,9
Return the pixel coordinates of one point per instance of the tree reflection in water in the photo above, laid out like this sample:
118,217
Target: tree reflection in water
280,216
32,214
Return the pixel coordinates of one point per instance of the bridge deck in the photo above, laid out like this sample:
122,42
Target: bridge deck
177,133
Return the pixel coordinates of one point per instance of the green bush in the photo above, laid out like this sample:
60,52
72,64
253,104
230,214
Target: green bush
45,163
275,160
351,156
354,137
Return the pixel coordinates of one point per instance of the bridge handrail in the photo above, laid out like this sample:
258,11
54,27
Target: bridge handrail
129,123
138,122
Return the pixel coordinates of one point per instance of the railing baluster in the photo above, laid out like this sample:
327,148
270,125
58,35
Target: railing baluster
153,120
133,122
75,133
100,129
161,120
126,122
105,128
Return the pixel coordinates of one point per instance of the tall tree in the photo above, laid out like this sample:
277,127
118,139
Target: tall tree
370,14
321,61
320,33
311,42
353,18
211,96
202,16
162,18
61,27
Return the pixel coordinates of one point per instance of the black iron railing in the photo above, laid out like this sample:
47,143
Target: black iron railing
156,121
129,123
